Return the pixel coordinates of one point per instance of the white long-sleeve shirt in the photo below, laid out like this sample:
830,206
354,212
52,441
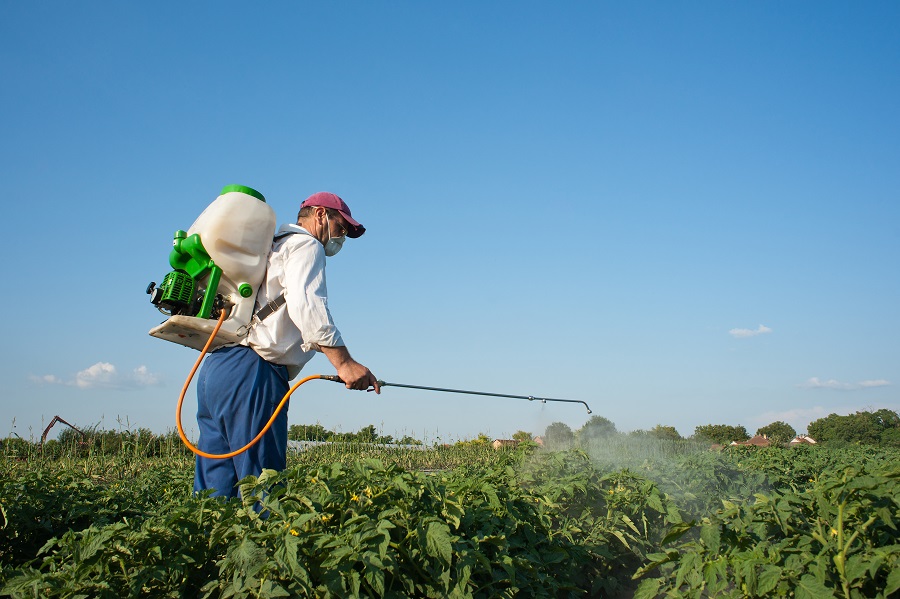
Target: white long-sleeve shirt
291,335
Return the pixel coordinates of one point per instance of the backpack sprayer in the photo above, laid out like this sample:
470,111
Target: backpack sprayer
219,263
210,295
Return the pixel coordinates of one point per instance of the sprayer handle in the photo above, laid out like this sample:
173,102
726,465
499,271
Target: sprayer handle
335,378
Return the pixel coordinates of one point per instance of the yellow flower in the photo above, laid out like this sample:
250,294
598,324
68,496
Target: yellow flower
314,481
368,491
354,497
326,517
833,531
294,532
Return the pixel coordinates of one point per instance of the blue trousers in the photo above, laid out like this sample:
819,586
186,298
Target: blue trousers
237,392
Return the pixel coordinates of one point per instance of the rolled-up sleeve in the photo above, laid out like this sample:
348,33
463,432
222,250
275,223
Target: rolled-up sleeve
306,296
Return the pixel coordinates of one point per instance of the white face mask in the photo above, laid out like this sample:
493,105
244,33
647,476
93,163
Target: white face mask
334,244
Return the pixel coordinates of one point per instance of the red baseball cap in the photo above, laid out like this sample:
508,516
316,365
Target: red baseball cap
327,199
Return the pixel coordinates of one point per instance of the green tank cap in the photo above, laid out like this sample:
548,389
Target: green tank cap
243,189
245,290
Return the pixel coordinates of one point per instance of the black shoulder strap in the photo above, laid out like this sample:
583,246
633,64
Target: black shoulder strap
270,308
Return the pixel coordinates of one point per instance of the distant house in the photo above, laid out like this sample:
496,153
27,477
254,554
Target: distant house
755,441
802,440
539,441
504,443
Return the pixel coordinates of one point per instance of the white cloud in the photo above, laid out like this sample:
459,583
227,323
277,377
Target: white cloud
102,374
816,383
744,333
875,383
142,377
47,379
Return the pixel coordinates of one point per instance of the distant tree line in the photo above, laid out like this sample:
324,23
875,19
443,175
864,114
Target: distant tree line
881,427
367,434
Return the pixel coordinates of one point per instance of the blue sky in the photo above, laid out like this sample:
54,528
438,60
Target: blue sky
681,213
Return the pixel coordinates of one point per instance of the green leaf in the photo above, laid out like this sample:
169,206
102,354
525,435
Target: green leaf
884,514
857,567
248,557
272,589
618,534
811,587
893,582
375,576
715,575
630,524
437,541
661,558
676,531
768,579
648,589
711,536
689,562
491,495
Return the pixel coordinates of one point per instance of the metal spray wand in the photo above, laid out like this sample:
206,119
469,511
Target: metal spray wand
337,379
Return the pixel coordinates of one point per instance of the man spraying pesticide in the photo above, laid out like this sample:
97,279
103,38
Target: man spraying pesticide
257,298
260,350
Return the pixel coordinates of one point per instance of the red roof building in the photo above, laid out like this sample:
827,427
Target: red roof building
755,441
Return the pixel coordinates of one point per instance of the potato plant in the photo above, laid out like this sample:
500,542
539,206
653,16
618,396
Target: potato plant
368,522
837,537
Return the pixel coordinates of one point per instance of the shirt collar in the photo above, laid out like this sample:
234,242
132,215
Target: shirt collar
292,228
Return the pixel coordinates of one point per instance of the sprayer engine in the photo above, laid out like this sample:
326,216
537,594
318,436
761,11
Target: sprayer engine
175,295
179,295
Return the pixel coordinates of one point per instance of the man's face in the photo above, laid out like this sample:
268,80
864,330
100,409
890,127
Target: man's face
336,225
339,226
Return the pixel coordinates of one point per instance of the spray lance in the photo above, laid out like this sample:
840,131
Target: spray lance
337,379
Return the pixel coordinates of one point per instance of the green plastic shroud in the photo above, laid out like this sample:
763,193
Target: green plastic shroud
177,289
189,255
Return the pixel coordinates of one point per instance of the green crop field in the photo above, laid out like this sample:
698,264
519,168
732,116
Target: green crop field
610,518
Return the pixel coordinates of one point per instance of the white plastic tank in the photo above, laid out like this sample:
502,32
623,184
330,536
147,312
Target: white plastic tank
236,230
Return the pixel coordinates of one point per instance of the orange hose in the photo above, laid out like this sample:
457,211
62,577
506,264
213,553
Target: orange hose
218,456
